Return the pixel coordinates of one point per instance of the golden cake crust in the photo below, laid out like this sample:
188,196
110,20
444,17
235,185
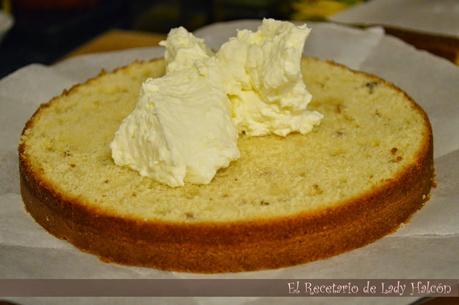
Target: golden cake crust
236,245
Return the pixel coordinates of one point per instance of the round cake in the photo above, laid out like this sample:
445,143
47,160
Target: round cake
288,200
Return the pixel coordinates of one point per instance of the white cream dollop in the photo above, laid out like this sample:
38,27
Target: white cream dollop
264,81
181,129
186,123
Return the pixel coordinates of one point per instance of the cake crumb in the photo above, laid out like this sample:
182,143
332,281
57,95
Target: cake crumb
348,118
339,108
397,159
371,86
316,189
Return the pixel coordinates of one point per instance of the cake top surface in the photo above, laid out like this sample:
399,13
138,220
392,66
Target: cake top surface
370,132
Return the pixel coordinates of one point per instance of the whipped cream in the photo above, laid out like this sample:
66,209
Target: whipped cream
262,75
185,126
181,129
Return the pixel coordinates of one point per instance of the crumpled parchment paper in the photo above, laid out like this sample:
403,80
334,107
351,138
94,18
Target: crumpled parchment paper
440,17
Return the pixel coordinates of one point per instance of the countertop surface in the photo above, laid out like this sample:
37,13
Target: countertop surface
120,39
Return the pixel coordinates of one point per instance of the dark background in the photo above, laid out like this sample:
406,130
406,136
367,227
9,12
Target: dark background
46,30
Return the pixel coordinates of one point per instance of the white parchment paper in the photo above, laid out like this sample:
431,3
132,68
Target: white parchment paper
439,17
427,247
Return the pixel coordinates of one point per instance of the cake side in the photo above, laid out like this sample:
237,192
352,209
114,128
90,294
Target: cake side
267,242
233,247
